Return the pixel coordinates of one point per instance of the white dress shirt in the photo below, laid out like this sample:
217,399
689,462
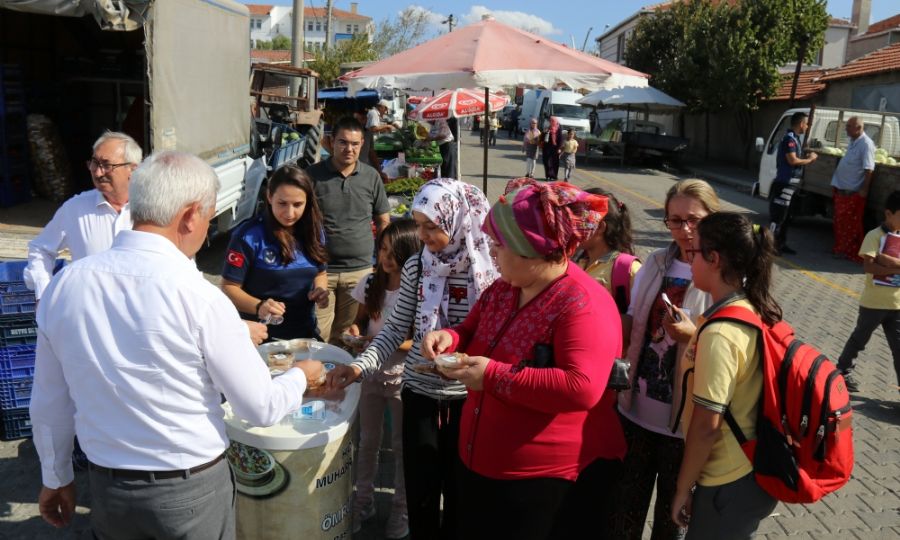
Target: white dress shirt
440,131
86,224
850,173
134,349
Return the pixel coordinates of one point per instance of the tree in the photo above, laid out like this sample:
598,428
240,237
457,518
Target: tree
328,62
394,35
263,45
724,56
281,43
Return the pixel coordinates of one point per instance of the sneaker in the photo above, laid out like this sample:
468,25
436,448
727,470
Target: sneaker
397,526
851,382
362,514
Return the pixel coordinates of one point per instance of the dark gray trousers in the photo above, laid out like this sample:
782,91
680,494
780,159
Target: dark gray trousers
200,507
729,512
869,319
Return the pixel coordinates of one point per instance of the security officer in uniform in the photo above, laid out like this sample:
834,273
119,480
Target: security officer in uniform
789,163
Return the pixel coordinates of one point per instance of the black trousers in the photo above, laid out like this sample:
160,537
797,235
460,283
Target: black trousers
448,160
779,212
537,508
430,435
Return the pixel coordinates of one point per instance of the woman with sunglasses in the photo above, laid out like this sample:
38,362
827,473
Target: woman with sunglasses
659,336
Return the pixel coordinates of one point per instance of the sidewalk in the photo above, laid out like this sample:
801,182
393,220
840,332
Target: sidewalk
735,177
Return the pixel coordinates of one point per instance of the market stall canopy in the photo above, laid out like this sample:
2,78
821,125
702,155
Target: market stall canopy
490,54
457,103
125,15
339,98
632,97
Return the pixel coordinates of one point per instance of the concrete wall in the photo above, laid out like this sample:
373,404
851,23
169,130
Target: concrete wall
840,93
608,47
834,53
862,46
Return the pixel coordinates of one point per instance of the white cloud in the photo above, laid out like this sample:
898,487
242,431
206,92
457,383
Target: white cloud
434,19
519,19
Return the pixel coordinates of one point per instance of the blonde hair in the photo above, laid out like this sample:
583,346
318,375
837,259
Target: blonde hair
696,189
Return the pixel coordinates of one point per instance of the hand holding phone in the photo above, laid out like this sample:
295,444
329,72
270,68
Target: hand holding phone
670,308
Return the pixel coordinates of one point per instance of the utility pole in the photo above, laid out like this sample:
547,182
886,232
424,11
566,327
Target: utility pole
297,42
329,31
586,36
450,22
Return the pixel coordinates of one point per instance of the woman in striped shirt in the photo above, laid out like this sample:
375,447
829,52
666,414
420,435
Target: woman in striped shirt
437,288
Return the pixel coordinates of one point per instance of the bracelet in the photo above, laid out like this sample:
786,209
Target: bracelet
259,305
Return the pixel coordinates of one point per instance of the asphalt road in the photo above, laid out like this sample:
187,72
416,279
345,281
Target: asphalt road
819,296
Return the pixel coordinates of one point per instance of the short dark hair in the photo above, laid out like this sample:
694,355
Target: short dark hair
798,117
892,204
348,123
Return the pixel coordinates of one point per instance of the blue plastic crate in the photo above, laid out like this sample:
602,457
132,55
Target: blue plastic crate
15,423
17,330
15,393
17,362
16,301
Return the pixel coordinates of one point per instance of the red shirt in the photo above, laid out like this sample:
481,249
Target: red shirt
540,422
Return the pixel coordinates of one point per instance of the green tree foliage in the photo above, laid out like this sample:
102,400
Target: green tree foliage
263,45
396,34
328,63
719,56
281,43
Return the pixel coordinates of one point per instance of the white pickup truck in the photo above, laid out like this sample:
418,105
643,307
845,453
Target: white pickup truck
826,136
172,73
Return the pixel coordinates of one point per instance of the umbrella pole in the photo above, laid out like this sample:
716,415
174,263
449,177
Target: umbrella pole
458,152
486,133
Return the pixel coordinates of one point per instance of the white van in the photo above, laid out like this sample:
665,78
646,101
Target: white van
564,106
529,111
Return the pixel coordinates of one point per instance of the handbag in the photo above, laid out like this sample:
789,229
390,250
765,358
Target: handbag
618,377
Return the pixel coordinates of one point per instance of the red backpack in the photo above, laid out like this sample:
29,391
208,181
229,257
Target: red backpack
804,441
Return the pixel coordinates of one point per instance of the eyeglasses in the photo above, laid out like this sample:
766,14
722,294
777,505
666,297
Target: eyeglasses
677,223
93,164
690,253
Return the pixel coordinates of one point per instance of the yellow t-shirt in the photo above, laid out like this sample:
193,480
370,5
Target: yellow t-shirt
570,147
601,270
876,296
726,374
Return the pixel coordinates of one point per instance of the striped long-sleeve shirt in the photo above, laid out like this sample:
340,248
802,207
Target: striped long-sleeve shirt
396,331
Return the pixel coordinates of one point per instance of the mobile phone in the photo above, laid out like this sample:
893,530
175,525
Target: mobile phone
670,308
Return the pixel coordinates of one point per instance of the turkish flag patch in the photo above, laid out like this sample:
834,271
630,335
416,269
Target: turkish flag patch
458,293
235,259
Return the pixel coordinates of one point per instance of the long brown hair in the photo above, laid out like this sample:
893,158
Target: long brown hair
617,234
308,232
405,243
746,252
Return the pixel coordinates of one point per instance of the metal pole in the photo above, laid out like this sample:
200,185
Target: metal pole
486,132
329,31
296,43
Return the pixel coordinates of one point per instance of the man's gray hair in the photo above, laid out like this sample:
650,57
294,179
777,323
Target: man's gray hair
168,181
857,120
133,152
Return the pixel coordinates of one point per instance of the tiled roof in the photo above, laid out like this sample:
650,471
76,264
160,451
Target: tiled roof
259,9
879,61
259,55
808,85
839,22
891,23
321,13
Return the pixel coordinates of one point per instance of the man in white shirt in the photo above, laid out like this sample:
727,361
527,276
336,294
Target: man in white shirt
443,135
88,222
374,117
851,181
134,349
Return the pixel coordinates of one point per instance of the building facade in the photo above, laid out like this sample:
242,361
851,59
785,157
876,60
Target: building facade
267,22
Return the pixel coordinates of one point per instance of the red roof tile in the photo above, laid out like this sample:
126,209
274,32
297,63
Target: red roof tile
808,85
891,23
321,13
879,61
259,9
839,22
260,55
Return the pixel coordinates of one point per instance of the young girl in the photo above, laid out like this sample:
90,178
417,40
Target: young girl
731,259
658,338
377,295
530,145
569,148
608,255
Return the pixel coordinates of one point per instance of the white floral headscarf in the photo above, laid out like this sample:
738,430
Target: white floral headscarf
459,209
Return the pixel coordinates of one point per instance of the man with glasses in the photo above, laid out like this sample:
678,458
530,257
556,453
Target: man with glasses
351,195
87,223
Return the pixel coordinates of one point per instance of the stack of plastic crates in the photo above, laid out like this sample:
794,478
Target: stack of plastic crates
15,178
18,335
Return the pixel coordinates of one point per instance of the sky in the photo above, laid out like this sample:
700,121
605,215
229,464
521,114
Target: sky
565,21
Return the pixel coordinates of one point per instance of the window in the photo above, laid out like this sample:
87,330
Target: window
258,24
349,28
318,26
620,47
309,26
355,28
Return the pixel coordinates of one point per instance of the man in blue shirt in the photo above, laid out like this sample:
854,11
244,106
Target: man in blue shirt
789,163
851,180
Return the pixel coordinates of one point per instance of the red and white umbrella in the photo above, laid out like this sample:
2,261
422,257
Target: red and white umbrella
456,104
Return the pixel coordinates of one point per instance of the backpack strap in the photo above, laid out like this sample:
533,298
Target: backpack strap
746,317
620,279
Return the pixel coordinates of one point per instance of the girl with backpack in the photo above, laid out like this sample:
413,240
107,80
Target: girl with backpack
659,336
608,255
717,495
377,295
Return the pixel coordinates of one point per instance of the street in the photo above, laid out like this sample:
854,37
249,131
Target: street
819,296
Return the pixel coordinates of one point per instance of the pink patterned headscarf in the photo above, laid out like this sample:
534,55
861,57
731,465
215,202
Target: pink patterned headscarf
554,130
535,219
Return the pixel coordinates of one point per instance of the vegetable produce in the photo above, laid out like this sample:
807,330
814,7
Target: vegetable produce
404,185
